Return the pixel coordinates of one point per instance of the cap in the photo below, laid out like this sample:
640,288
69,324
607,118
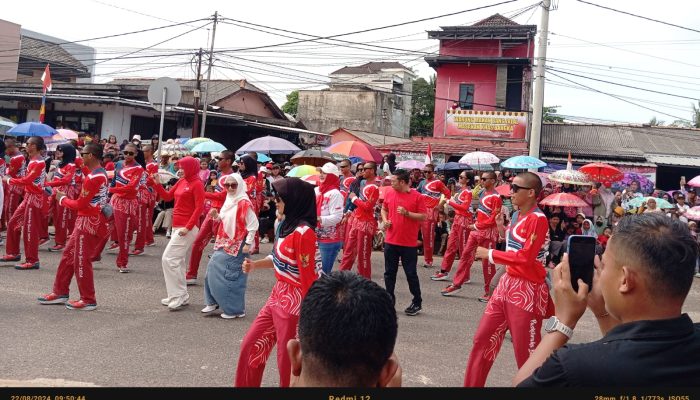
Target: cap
136,137
268,165
330,168
287,167
264,169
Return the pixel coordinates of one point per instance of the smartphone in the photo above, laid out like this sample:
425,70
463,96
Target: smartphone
581,250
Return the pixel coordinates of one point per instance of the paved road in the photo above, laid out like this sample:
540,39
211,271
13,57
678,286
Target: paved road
132,340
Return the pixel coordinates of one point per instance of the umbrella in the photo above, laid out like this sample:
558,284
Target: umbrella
194,141
312,179
67,133
164,176
269,144
351,148
54,141
175,149
263,158
601,172
312,157
563,200
410,164
207,147
693,213
302,170
570,176
452,166
544,177
480,160
695,181
504,190
645,185
32,129
6,124
523,162
660,203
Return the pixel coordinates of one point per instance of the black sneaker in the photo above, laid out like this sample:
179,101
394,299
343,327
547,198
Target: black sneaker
413,309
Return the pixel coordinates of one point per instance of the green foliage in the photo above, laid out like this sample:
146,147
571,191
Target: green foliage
423,107
290,107
548,114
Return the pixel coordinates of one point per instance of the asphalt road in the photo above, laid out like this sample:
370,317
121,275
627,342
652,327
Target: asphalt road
132,340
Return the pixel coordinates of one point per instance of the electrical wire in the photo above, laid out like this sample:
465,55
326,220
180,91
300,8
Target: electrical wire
640,16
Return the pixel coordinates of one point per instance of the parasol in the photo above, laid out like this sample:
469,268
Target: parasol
351,148
164,176
68,134
601,172
410,164
660,203
312,179
269,144
32,129
523,162
695,182
207,147
563,200
54,141
693,213
6,124
193,142
302,170
452,166
504,190
570,176
312,157
480,160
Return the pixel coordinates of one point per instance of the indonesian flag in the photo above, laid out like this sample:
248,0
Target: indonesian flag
46,79
429,155
569,165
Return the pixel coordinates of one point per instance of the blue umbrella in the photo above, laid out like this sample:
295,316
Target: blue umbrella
208,147
32,129
452,166
263,158
523,162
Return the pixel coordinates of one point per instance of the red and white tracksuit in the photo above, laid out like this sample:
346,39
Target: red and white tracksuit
297,265
358,244
345,183
13,193
520,300
485,235
90,227
258,200
126,208
147,201
64,218
209,227
459,233
28,217
431,190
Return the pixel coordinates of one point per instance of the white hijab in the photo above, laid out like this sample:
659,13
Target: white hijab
230,208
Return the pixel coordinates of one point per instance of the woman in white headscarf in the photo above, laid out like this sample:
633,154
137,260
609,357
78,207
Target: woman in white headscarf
588,229
225,283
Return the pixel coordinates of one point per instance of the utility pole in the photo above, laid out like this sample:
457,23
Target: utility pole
197,95
211,62
538,103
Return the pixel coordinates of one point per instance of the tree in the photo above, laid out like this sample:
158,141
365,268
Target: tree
292,104
694,121
423,107
548,114
655,122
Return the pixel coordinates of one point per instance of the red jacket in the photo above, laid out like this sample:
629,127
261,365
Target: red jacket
366,201
188,193
489,207
127,181
33,181
93,194
525,240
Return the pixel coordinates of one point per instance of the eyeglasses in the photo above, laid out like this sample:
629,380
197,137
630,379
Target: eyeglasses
344,166
230,185
128,153
360,169
462,177
485,178
514,188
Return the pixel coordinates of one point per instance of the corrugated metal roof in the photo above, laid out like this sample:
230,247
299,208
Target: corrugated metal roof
369,68
663,159
596,141
376,139
218,89
593,160
48,52
451,149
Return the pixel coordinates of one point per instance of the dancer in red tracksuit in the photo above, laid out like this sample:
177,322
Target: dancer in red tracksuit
27,218
297,266
358,244
483,233
125,204
147,201
459,233
90,227
144,200
14,193
521,299
432,189
210,226
64,181
346,179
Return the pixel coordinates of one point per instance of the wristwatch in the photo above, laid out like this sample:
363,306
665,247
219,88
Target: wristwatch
553,324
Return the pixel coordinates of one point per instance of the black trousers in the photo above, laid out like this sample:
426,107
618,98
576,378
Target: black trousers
409,259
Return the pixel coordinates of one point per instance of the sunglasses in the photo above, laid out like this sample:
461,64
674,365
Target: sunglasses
427,171
514,188
344,166
462,177
128,153
360,169
84,154
230,185
485,179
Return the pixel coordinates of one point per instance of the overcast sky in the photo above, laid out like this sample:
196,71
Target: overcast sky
584,40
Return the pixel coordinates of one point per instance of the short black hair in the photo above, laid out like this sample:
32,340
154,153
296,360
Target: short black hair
39,141
660,245
228,154
402,175
532,180
489,174
373,165
347,329
94,149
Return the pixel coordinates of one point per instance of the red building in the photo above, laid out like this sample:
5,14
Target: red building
484,82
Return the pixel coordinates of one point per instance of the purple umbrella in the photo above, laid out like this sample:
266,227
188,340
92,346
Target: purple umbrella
410,164
645,185
269,144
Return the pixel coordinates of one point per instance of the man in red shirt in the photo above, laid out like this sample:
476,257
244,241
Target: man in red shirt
483,233
521,299
90,227
432,188
16,169
403,211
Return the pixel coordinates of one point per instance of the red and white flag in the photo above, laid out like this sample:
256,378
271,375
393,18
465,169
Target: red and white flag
429,155
46,79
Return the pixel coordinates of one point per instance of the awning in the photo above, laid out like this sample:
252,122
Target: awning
665,159
592,160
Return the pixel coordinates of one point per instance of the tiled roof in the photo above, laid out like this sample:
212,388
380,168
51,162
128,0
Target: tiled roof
218,89
48,52
369,68
496,20
376,139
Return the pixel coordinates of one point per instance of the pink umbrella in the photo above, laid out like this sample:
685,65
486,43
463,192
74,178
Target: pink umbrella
695,181
351,148
67,133
693,213
410,164
563,200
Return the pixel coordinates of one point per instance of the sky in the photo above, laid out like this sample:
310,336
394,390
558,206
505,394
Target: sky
584,42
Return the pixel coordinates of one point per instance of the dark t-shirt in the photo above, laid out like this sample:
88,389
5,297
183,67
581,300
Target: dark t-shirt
641,353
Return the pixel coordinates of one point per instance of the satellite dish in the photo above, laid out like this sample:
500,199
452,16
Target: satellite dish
173,93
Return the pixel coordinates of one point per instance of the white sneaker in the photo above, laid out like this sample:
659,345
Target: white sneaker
265,240
192,281
227,316
210,308
179,302
165,301
697,275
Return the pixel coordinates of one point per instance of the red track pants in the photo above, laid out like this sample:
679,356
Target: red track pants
358,244
427,229
77,260
456,241
63,222
124,225
276,323
206,232
10,204
26,219
144,228
483,238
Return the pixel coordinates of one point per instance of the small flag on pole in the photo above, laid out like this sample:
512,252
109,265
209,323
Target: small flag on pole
429,155
46,79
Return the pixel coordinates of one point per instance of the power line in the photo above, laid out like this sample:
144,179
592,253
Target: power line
132,11
640,16
604,67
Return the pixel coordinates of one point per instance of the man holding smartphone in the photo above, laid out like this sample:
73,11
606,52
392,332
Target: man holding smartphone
521,298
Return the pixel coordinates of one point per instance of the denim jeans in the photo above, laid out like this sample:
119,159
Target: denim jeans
409,259
329,252
225,283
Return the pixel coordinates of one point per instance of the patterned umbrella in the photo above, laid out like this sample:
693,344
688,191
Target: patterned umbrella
410,164
175,149
645,185
660,203
523,162
312,179
695,181
601,172
504,190
164,176
195,141
563,200
302,170
68,134
480,160
269,144
54,141
544,177
570,176
351,148
693,213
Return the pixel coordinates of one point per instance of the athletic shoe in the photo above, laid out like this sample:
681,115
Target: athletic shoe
123,270
10,258
697,275
27,266
42,241
150,244
210,308
227,316
58,247
427,265
113,246
413,309
80,305
165,301
179,302
265,240
440,276
136,252
191,281
450,290
53,298
484,299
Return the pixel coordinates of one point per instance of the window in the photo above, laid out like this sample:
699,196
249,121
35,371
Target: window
466,96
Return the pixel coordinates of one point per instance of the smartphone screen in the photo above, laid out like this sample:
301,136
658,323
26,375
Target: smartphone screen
581,250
